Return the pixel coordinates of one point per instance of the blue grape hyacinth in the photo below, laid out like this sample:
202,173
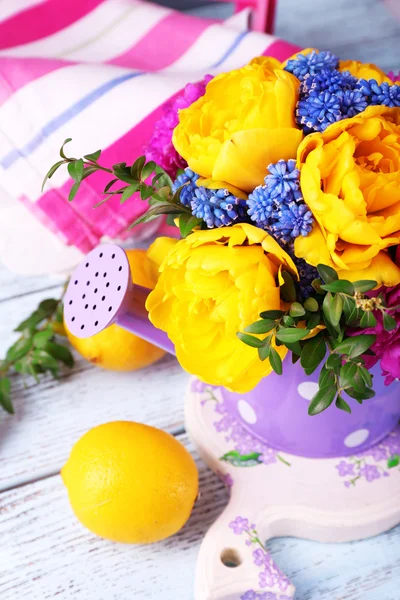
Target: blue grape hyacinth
383,94
187,179
327,97
278,206
312,63
217,208
294,220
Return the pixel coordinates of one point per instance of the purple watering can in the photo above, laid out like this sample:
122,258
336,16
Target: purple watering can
101,293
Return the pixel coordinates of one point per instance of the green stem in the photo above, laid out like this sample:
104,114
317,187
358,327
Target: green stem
285,462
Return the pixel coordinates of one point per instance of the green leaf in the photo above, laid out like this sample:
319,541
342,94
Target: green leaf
316,284
313,353
326,273
48,306
51,172
41,338
45,360
109,185
263,326
345,287
326,377
137,167
264,351
129,191
62,147
294,347
342,404
30,323
288,289
19,349
393,461
271,314
187,223
347,373
334,361
355,346
366,376
5,395
61,353
166,179
291,334
332,307
313,320
161,208
336,309
73,191
146,191
368,319
75,170
389,323
297,310
242,460
250,340
295,358
276,361
148,169
364,395
94,156
311,304
288,321
348,306
322,400
364,285
88,171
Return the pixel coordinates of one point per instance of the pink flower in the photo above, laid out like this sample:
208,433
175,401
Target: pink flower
387,344
394,77
160,148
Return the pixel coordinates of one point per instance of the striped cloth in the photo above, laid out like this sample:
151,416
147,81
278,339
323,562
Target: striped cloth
98,71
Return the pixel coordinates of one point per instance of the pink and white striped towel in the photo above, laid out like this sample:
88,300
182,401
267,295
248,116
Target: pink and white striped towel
98,71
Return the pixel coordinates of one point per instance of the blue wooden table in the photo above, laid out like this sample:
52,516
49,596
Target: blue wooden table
45,553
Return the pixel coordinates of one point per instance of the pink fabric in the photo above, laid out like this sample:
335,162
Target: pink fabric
148,56
17,72
78,223
42,20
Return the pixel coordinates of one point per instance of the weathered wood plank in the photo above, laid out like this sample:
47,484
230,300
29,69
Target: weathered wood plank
360,30
47,553
52,415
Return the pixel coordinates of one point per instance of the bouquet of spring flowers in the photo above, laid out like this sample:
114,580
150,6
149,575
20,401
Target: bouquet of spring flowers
284,183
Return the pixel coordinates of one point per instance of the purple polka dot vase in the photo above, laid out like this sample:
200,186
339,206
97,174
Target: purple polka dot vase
276,411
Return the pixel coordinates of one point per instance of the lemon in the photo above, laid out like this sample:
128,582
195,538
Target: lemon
115,348
131,483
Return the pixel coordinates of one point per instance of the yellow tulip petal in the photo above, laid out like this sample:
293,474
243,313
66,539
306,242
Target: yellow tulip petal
381,269
263,146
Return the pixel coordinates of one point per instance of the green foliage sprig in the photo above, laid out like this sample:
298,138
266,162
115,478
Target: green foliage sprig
148,180
338,306
37,350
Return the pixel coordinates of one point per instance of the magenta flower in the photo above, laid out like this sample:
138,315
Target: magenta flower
387,344
394,77
160,148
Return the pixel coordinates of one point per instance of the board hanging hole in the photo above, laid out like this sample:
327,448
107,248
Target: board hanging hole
231,558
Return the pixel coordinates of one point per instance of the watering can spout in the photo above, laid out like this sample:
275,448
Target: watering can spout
101,293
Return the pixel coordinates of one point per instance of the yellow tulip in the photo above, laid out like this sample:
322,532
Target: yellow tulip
364,70
244,122
350,179
213,284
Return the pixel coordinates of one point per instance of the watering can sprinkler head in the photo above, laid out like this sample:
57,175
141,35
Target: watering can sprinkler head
101,293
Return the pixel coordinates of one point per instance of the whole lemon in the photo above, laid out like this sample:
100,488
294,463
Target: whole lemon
131,483
115,348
